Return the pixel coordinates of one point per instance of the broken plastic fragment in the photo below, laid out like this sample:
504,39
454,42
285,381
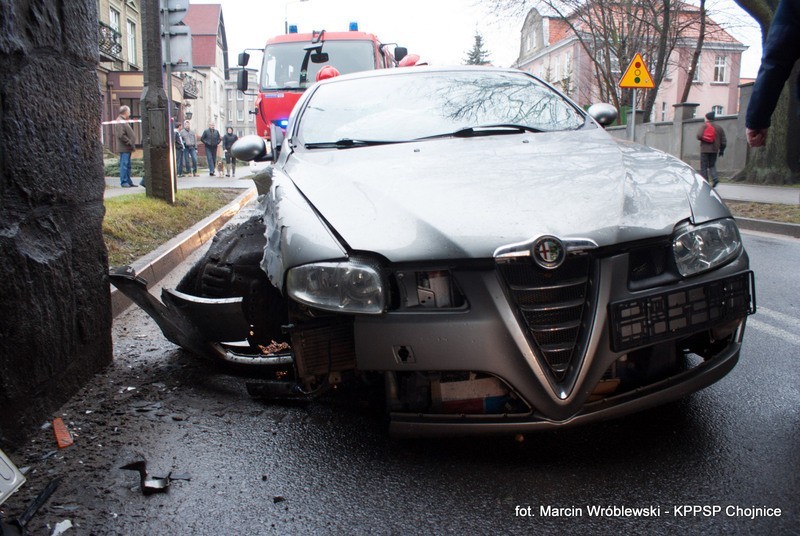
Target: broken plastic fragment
148,485
62,527
63,437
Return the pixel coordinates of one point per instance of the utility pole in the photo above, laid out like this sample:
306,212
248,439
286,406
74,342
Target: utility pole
156,128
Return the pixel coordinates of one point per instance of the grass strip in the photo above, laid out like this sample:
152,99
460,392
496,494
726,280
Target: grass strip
135,225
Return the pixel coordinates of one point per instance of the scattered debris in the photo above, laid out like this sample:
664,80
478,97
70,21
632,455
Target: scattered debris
66,507
49,454
11,478
278,498
274,348
62,527
63,436
149,485
179,476
17,526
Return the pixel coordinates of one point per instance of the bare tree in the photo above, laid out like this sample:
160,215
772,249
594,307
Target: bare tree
698,49
613,31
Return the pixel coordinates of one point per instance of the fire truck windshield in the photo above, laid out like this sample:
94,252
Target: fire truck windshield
282,62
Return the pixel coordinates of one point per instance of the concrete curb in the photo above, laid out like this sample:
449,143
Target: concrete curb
157,264
767,226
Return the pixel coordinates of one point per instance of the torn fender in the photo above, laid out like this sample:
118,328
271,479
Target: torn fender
199,325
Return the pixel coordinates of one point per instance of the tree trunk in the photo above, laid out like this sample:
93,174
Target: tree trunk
772,164
697,51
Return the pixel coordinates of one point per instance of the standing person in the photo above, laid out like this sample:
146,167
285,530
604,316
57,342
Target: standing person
126,144
227,142
211,139
781,52
179,150
712,143
189,147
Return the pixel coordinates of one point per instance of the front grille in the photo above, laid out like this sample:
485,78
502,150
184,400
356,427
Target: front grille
551,305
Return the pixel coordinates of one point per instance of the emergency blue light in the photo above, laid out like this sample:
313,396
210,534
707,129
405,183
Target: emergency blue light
353,26
283,122
293,28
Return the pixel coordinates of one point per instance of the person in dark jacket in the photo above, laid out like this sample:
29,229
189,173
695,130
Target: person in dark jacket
712,143
126,144
227,142
211,139
781,52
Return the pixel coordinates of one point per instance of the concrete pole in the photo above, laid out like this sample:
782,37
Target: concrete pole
156,130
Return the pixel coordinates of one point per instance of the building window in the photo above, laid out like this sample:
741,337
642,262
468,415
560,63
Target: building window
132,57
230,115
696,77
720,69
230,95
240,115
663,111
113,18
239,95
718,110
214,93
567,64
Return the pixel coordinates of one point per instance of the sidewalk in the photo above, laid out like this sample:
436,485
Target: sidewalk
759,194
203,180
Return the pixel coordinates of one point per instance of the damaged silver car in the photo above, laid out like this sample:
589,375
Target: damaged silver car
478,243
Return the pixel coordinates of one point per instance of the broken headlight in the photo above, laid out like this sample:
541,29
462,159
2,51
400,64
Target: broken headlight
700,248
345,287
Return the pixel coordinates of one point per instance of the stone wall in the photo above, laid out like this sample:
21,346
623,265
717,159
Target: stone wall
55,320
679,137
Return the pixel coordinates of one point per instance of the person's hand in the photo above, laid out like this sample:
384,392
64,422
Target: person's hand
721,152
757,137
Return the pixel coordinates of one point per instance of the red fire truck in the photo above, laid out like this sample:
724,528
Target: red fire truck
292,61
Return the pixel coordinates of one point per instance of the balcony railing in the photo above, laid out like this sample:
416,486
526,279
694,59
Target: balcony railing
110,43
189,87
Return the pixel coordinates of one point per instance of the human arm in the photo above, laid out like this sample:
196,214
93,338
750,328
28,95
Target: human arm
781,51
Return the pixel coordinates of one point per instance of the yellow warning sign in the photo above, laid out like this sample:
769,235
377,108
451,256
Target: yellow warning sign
636,75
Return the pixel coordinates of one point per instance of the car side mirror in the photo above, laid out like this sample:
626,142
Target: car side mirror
244,59
400,53
241,80
603,113
250,148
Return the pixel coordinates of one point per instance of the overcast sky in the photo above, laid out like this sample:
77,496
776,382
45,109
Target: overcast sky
440,31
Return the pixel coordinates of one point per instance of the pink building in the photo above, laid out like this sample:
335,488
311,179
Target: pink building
551,50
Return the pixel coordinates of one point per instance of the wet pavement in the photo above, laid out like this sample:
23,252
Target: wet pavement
330,467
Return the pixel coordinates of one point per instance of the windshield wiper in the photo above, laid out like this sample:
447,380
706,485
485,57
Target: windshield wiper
485,130
346,143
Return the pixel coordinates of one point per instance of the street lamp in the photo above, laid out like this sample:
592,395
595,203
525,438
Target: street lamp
286,14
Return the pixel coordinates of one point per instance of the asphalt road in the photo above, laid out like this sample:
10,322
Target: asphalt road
331,468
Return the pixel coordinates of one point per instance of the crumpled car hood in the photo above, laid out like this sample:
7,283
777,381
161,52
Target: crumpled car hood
463,198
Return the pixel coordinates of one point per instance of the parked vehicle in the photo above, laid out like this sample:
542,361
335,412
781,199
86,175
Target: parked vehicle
292,61
477,240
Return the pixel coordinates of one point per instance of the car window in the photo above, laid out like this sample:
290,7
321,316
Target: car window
283,61
423,104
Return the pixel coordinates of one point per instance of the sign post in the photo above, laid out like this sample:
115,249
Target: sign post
636,76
